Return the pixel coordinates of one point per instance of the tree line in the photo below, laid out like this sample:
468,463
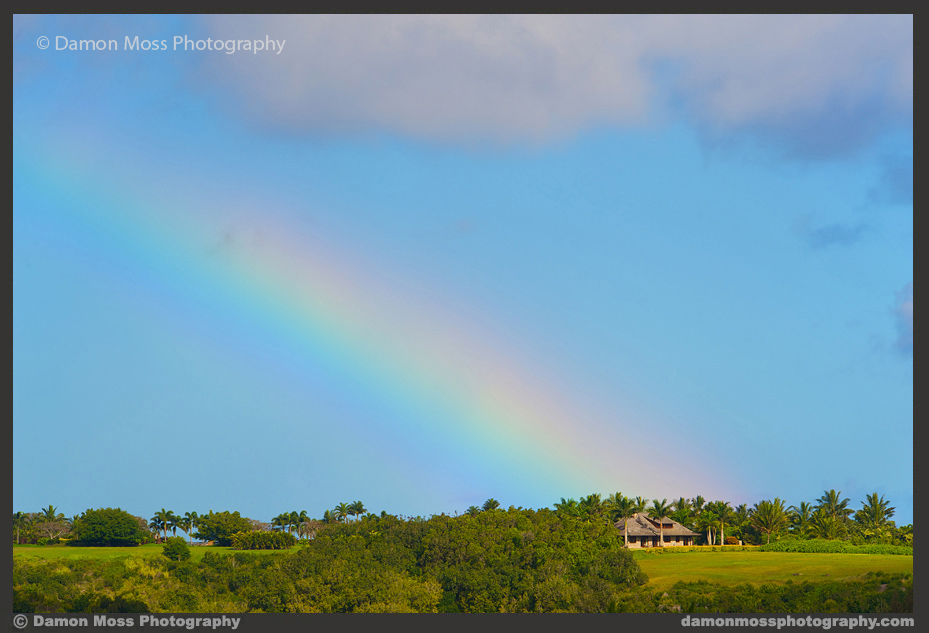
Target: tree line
718,522
828,517
494,560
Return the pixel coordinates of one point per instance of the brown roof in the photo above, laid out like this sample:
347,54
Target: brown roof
643,524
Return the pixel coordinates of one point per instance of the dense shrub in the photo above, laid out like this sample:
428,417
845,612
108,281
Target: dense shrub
175,548
833,546
263,540
109,527
220,526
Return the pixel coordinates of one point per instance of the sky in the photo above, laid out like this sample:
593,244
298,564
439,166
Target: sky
275,263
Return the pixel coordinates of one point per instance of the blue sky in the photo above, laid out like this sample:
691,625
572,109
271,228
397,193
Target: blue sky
421,261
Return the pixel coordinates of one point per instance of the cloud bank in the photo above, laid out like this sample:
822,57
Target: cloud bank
819,85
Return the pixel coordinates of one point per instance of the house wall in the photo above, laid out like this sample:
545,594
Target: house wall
638,542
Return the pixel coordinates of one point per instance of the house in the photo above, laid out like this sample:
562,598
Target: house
643,531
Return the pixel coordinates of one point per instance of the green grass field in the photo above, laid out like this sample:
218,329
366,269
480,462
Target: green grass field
764,567
100,553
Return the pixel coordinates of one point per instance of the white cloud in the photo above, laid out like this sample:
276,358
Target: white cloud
829,81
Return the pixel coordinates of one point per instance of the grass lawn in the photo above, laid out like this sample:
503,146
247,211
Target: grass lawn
764,567
100,553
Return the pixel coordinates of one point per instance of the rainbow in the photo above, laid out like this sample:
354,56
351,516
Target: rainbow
396,334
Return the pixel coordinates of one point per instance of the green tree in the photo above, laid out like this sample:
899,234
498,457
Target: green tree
21,522
157,525
682,511
659,510
800,518
622,509
341,511
875,512
172,522
640,504
591,506
825,525
491,504
769,516
220,526
358,508
473,511
109,527
175,548
724,516
50,515
188,523
707,521
833,505
162,520
568,507
741,518
280,521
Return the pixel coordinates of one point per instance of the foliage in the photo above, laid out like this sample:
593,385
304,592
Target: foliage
876,593
109,527
263,540
176,548
220,526
833,546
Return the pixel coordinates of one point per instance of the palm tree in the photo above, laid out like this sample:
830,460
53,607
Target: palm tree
329,517
612,500
50,515
682,511
706,522
568,507
697,504
875,513
769,516
591,506
740,518
832,505
157,525
21,521
172,522
300,520
473,511
184,523
826,525
659,510
163,518
281,521
640,503
341,511
622,510
189,522
800,517
357,508
491,504
724,515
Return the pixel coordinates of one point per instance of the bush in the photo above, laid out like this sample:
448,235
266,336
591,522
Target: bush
220,526
731,540
109,527
176,548
833,546
263,540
